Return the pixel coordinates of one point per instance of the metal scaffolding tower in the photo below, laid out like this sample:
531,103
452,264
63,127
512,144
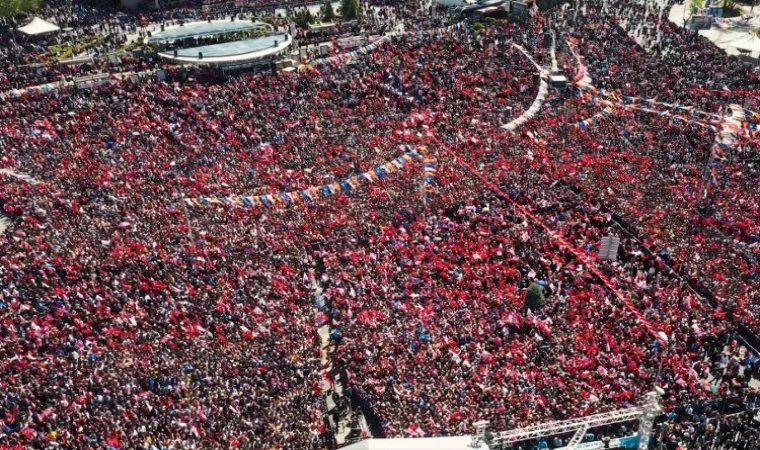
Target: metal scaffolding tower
652,409
644,414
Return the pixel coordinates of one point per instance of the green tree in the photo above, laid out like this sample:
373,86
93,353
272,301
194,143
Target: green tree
328,13
303,18
534,297
350,9
12,8
695,6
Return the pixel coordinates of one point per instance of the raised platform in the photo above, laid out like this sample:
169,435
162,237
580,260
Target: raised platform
434,443
231,52
465,443
197,29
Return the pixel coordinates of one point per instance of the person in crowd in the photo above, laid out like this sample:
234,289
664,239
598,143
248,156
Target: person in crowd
130,319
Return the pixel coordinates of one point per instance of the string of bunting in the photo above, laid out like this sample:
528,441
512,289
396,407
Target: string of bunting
314,193
752,116
587,90
606,112
348,57
711,125
581,77
731,22
610,110
530,58
752,129
19,176
646,104
725,139
727,128
430,165
632,100
48,87
748,120
583,81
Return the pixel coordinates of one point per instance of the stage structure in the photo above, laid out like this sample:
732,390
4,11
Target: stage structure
485,440
645,415
204,29
241,43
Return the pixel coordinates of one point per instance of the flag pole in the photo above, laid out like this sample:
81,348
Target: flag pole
422,187
187,219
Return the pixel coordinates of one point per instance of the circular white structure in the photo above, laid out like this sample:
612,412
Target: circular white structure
231,52
204,28
227,53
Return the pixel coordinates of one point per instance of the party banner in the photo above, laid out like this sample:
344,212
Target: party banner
581,77
543,91
312,194
530,58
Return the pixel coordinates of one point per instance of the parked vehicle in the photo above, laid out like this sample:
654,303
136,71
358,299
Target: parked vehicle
468,10
446,4
497,12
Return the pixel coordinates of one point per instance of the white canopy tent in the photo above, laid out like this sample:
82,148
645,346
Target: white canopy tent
748,44
38,26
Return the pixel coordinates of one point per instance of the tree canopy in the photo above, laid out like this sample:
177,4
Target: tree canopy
534,297
328,13
303,18
12,8
350,9
695,6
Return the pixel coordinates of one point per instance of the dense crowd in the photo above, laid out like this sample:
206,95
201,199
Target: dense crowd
97,39
132,320
722,424
715,243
